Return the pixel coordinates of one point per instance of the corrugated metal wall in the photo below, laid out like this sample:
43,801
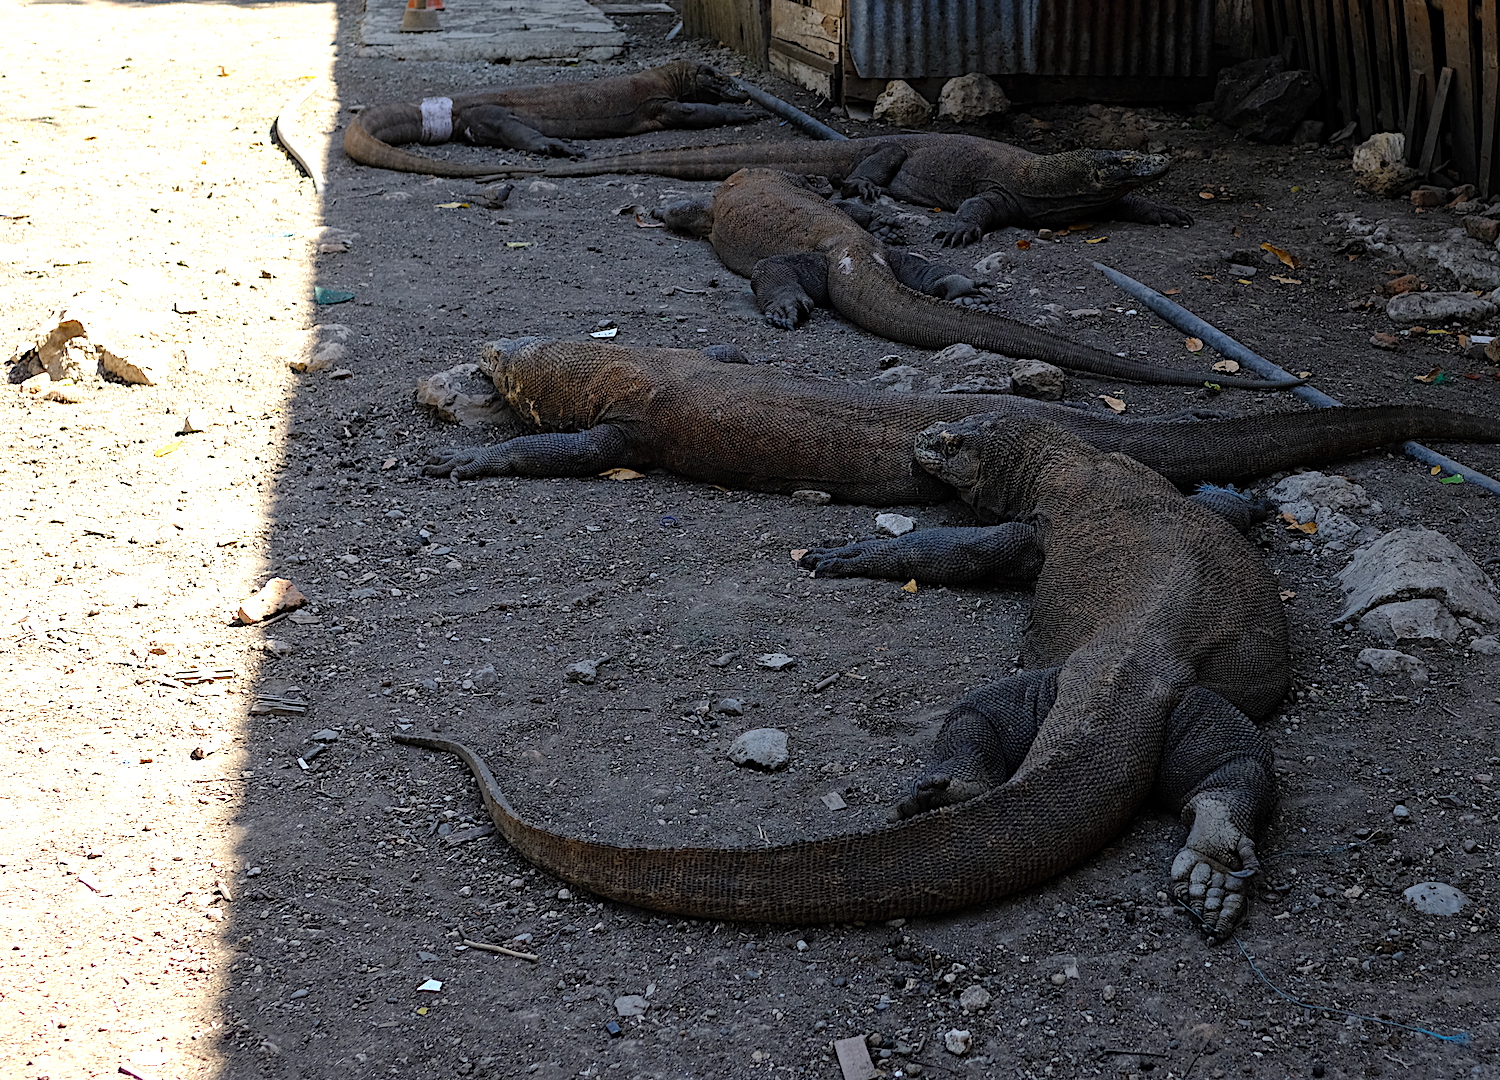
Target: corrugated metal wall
906,39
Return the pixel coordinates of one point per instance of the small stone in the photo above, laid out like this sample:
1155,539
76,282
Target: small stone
317,349
776,661
428,683
1241,270
957,1041
584,671
1384,340
1406,564
1058,978
834,801
809,497
485,676
194,422
327,735
1400,813
1427,196
974,998
1391,662
1427,308
1489,645
1470,846
1109,993
1038,379
971,97
894,524
564,894
723,660
542,187
854,1058
730,707
955,354
278,594
760,748
631,1005
1436,898
899,104
1485,230
901,379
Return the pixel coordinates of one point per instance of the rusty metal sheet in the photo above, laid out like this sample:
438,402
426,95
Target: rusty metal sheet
910,39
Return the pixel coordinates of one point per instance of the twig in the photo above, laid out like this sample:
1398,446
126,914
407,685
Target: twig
533,957
1137,1053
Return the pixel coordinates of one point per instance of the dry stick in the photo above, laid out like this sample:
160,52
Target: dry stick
533,957
1189,323
291,140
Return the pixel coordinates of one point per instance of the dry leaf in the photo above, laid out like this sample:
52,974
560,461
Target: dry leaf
910,586
1195,345
1286,280
163,451
1288,594
622,474
1431,377
1170,292
1434,470
1304,374
1236,232
1205,194
797,554
642,223
1293,525
1096,240
1228,367
452,206
1290,260
388,463
518,243
1081,226
1113,402
1024,245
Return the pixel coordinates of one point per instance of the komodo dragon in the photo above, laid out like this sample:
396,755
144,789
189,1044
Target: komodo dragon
593,406
1157,634
988,184
536,118
799,251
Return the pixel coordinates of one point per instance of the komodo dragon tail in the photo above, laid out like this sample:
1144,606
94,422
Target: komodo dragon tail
708,162
1250,446
1016,835
368,137
870,296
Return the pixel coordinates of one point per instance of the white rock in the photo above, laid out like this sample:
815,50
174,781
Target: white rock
1391,662
1410,620
775,660
974,998
1486,646
585,671
971,97
894,524
277,647
1426,308
1379,167
1408,564
957,1041
1301,493
955,354
900,104
461,395
631,1005
993,263
760,748
318,348
1435,898
900,379
1038,379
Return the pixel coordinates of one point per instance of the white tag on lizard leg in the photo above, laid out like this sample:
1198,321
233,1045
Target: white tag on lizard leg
437,120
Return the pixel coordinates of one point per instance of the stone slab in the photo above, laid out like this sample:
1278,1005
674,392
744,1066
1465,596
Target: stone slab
493,30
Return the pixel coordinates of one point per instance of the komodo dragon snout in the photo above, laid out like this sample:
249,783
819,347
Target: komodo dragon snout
712,88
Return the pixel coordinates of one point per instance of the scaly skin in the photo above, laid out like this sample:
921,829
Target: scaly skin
988,184
538,118
798,250
1146,675
592,405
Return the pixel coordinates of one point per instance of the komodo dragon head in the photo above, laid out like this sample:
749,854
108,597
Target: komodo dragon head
701,83
1097,175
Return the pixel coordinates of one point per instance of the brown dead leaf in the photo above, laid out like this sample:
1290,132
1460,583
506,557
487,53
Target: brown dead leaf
642,223
622,474
1113,402
1286,280
1023,245
1236,232
1434,470
1194,344
388,463
1288,259
1430,377
1293,525
1304,374
910,586
1228,367
1170,292
1096,240
1288,594
1404,284
797,554
1205,194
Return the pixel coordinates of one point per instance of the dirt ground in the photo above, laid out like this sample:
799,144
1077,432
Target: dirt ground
234,913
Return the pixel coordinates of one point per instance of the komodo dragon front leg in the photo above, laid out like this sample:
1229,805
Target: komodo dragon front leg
997,208
495,125
580,453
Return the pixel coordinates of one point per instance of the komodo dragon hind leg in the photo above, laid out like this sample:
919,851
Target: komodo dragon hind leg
934,278
960,556
788,287
694,114
983,741
579,453
495,125
886,228
1234,506
691,217
1218,771
875,172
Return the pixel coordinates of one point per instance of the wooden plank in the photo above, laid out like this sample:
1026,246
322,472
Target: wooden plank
806,27
1413,105
1398,57
1489,91
803,68
1348,96
743,25
1387,79
1419,37
1435,120
1262,17
1457,22
1359,44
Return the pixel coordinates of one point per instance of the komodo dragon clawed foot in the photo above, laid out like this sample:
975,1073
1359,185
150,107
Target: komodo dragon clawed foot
1210,873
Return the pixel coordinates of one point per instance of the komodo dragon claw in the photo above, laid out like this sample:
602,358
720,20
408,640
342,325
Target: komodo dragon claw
1202,878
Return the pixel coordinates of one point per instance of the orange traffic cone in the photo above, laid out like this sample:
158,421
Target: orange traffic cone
421,16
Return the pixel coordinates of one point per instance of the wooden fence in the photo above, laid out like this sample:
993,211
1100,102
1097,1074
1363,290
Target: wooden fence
1427,68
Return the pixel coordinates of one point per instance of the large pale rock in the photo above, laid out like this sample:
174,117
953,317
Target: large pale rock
1410,564
1426,308
1379,165
1262,101
1474,264
461,395
1410,620
1436,898
761,748
971,97
94,334
902,105
1302,493
1391,662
